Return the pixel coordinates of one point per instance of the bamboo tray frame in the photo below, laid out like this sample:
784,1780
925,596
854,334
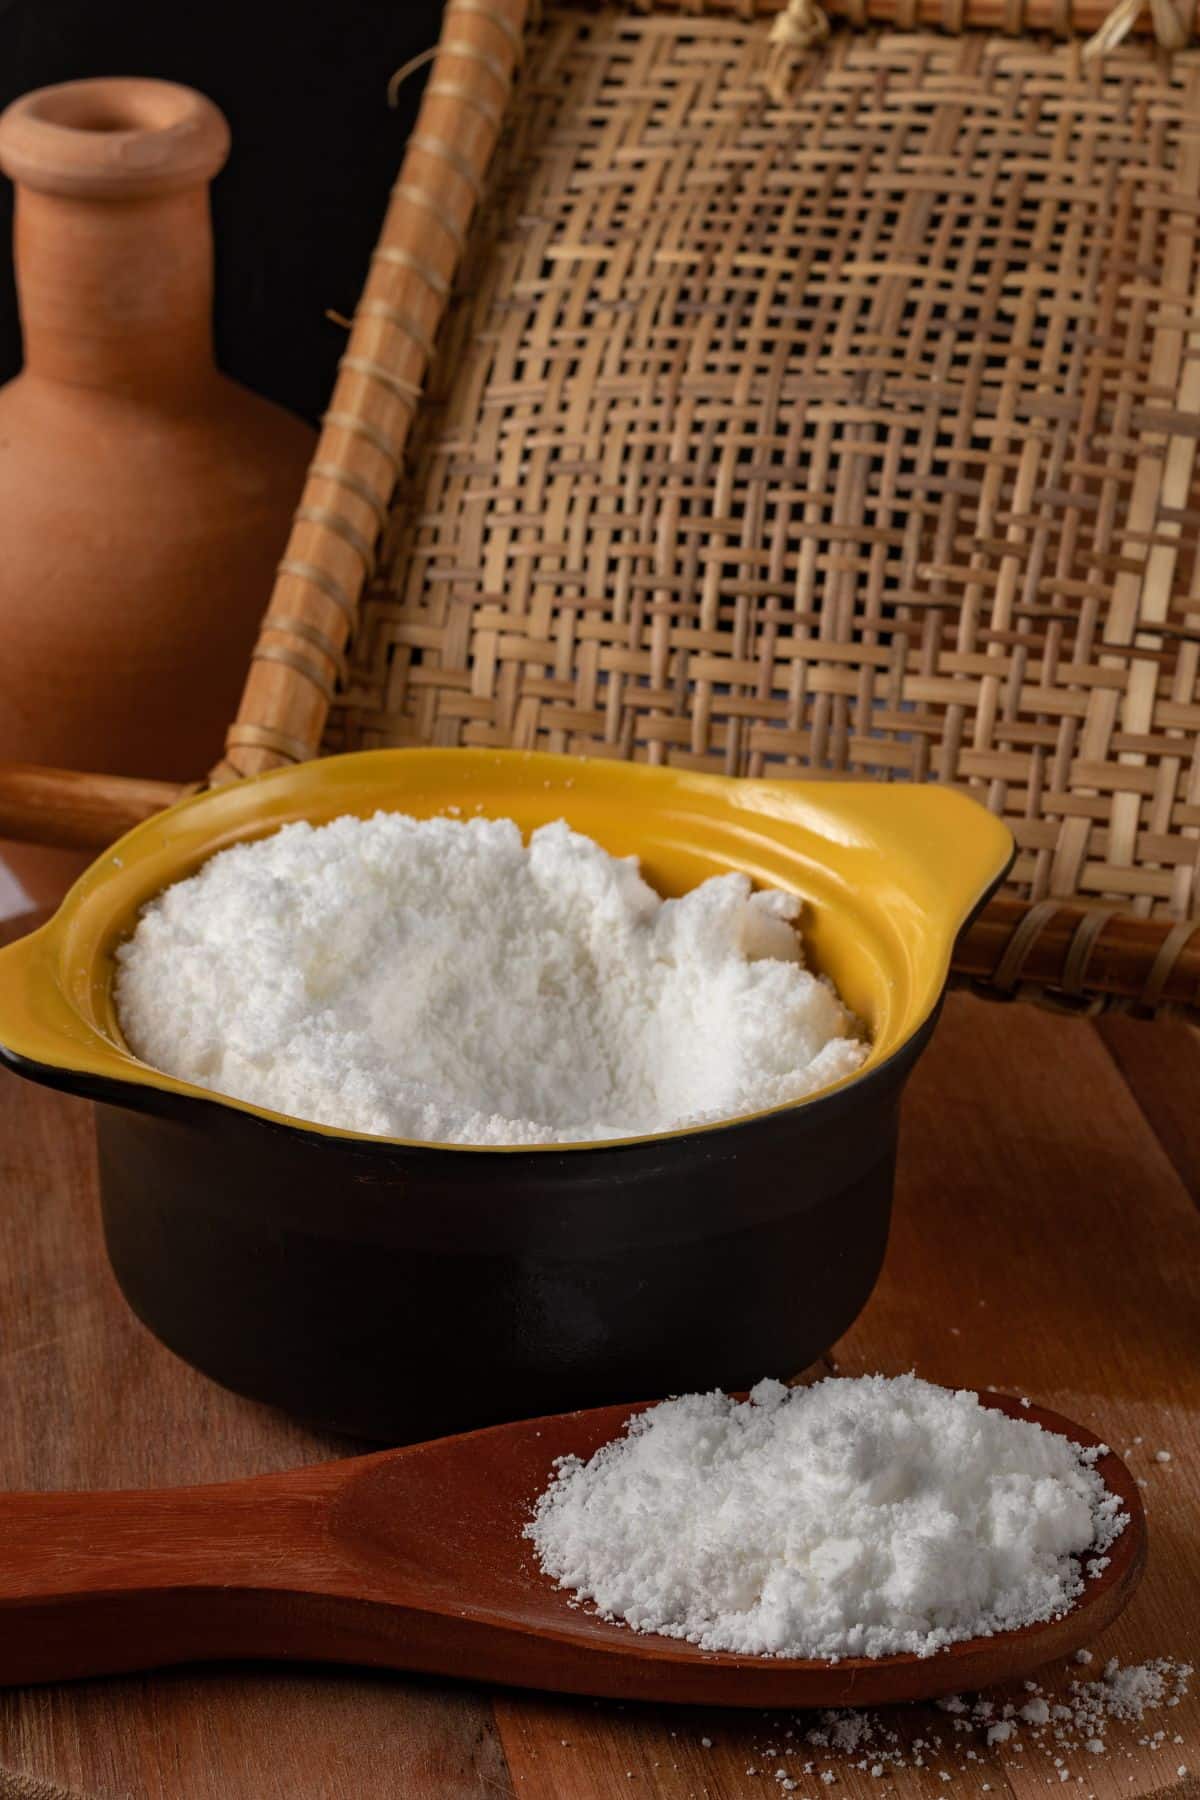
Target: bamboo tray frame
1091,753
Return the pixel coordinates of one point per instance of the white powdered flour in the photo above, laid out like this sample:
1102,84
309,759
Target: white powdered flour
437,979
858,1517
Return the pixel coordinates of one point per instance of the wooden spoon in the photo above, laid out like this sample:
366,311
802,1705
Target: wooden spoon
414,1559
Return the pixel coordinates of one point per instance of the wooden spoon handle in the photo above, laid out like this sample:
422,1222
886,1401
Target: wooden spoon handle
96,1583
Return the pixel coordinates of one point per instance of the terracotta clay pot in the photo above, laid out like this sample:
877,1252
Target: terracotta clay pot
144,497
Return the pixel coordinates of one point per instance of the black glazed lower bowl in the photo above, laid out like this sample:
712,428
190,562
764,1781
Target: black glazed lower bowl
396,1290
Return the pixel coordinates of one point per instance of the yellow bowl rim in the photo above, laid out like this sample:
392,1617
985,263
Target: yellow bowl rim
91,1064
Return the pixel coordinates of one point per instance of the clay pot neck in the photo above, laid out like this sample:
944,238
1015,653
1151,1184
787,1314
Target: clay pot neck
116,296
113,238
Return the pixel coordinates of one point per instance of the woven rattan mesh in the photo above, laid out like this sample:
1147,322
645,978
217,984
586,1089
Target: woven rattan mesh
853,436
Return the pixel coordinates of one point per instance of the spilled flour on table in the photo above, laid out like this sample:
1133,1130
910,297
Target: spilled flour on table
1071,1726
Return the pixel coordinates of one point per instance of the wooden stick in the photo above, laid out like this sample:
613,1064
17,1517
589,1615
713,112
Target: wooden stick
70,811
1117,966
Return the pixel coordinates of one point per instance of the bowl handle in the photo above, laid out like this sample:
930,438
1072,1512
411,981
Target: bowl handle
940,846
42,1034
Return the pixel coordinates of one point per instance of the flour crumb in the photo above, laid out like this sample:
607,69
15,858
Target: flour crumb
1090,1718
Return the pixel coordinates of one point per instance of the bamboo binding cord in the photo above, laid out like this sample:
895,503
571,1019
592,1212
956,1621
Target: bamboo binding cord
330,554
800,27
803,25
1171,25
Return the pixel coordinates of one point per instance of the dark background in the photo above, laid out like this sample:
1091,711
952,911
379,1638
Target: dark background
315,151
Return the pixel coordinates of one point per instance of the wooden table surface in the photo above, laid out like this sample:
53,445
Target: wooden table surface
1046,1242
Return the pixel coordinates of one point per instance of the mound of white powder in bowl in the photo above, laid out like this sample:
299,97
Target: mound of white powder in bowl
439,979
859,1517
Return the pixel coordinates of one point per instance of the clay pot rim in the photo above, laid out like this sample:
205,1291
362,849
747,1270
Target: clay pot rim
112,138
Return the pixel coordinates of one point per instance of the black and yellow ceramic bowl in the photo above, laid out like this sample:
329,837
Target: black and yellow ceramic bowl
398,1290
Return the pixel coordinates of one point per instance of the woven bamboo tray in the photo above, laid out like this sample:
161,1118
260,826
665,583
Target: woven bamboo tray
735,394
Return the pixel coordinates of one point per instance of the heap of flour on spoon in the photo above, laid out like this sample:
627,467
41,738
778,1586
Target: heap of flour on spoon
440,979
858,1517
